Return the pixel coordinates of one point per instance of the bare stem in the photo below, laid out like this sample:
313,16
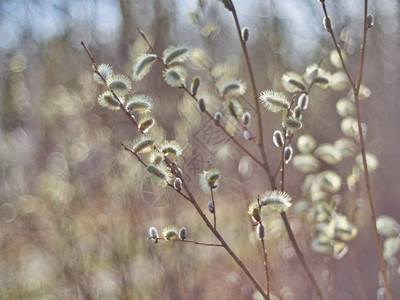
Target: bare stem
255,95
282,164
262,150
224,244
265,264
213,202
194,242
356,90
300,255
290,232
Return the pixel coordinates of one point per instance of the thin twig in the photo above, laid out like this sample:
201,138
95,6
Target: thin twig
356,91
184,87
282,164
255,95
265,264
214,212
265,255
121,104
192,242
224,244
263,154
192,200
290,232
300,254
145,165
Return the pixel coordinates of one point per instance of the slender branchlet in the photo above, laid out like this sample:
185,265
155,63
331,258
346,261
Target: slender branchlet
355,85
95,66
190,196
211,117
262,150
264,250
193,242
255,93
214,211
223,242
282,164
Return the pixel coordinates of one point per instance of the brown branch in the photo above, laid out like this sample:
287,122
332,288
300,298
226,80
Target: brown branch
206,112
356,91
265,255
224,244
190,197
255,95
192,242
121,104
213,202
271,178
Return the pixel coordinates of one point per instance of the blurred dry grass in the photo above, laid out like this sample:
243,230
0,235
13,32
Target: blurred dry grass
75,208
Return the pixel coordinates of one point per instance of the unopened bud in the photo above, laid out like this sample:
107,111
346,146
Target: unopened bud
210,207
327,24
261,231
247,135
195,85
278,138
218,117
182,233
303,101
246,118
370,21
153,234
297,112
245,34
228,4
178,184
202,104
287,154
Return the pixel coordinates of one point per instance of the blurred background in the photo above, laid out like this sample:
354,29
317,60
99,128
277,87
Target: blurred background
75,208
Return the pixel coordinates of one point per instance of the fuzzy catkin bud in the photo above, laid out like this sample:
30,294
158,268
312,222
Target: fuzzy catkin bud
261,231
195,85
182,233
210,207
327,24
278,138
287,154
178,184
245,34
218,117
202,104
370,21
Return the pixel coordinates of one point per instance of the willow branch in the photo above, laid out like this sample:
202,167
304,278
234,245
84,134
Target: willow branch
232,138
193,242
255,95
224,244
229,5
356,91
121,104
